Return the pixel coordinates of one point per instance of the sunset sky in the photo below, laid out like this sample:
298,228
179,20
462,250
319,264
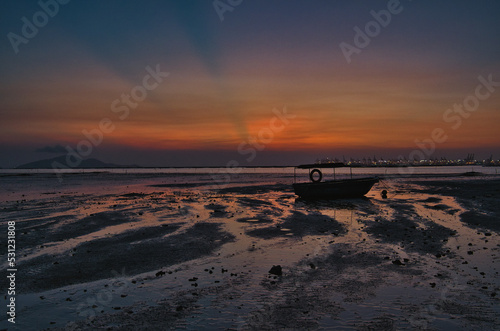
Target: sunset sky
225,77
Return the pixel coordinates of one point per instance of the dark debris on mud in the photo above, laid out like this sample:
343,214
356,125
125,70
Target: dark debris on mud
141,250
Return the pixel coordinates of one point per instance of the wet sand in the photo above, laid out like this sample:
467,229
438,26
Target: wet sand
145,252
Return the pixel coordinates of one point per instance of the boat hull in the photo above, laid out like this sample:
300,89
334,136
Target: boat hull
336,189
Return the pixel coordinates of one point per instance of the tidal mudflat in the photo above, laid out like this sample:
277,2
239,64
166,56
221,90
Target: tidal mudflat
151,252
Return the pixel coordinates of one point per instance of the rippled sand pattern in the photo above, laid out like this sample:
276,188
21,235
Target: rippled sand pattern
153,252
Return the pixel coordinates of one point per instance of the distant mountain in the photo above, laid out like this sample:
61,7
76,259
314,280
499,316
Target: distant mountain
61,163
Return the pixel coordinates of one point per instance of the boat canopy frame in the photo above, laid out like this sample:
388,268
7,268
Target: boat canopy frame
317,166
322,165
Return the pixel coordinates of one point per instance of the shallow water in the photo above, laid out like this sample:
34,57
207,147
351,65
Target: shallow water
197,256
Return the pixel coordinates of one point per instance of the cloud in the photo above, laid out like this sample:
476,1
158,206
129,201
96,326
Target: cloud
56,149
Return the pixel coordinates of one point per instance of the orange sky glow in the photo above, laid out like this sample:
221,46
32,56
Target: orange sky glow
225,80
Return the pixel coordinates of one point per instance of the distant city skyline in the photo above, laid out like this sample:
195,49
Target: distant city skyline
194,83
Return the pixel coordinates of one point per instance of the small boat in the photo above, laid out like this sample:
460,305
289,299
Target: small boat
331,189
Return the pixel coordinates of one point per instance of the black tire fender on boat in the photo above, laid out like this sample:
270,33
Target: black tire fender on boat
311,175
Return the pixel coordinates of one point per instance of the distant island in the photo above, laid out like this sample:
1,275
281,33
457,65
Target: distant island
61,161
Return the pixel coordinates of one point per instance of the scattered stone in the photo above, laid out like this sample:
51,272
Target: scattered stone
397,262
276,270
